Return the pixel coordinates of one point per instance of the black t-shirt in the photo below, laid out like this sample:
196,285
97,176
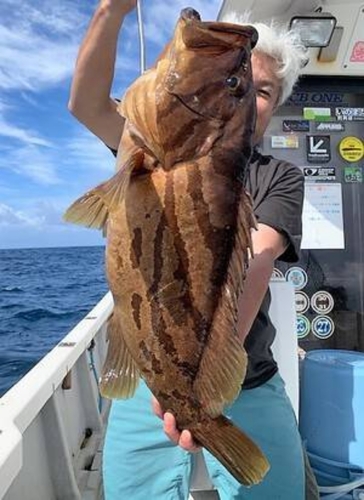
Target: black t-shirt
277,191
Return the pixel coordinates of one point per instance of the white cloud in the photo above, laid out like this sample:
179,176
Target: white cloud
37,214
10,217
13,131
31,162
27,136
85,151
41,225
39,43
32,61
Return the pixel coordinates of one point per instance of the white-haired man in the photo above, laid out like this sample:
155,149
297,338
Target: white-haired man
139,460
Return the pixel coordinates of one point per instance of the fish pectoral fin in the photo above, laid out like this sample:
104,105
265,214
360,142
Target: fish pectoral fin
221,373
120,375
93,208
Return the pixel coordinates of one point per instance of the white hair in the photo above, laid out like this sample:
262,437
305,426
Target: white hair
284,46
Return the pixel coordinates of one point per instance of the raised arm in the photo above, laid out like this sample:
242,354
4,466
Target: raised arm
90,100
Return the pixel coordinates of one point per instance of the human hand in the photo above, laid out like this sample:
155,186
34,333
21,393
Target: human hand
183,439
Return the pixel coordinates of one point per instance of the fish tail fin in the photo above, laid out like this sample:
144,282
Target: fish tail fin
233,448
92,209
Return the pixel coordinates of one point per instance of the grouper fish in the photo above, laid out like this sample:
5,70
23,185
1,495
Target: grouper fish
178,224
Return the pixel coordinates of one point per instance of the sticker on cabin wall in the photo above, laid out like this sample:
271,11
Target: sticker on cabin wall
285,142
318,148
303,326
357,54
297,276
329,126
277,274
353,174
302,302
349,114
351,149
303,98
296,126
317,114
322,302
319,173
322,327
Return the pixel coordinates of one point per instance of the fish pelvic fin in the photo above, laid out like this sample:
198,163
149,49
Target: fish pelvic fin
120,375
233,448
93,208
224,362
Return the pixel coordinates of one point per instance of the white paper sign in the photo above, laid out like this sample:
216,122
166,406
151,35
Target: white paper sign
322,219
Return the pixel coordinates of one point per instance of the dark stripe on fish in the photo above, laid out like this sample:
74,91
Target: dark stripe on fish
221,238
149,357
183,263
136,302
160,330
157,321
136,247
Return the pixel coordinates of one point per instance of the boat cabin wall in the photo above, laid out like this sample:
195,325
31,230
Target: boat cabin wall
344,56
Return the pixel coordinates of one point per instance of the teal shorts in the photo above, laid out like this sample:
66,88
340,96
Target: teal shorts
140,462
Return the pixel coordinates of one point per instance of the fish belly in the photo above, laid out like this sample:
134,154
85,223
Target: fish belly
169,246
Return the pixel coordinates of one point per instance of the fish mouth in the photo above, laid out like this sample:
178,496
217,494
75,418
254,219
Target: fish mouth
235,28
191,15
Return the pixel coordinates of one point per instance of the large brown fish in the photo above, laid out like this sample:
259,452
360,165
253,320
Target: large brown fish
178,229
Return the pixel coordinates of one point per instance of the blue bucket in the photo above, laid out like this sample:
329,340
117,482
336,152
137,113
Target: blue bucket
332,405
336,472
337,480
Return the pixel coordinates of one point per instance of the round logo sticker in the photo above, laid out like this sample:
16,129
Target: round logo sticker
323,327
351,149
322,302
302,326
297,276
302,302
277,273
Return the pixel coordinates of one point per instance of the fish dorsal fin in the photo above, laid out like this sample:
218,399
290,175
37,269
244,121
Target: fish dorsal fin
224,361
120,376
92,209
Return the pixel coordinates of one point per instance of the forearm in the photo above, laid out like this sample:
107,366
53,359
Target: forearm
255,287
90,98
95,63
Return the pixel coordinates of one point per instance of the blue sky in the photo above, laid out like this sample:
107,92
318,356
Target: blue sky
47,159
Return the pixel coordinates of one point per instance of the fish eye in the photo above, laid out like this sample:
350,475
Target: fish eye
233,82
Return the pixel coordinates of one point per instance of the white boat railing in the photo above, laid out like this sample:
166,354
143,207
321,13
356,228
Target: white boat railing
52,420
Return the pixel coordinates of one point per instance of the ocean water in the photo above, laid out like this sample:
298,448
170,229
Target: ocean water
44,293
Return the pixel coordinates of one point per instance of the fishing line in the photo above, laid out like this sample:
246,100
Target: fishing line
141,36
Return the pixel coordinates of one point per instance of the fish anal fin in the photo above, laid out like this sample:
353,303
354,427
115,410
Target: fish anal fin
224,361
120,375
93,208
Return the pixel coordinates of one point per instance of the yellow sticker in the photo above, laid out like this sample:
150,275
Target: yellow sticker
351,149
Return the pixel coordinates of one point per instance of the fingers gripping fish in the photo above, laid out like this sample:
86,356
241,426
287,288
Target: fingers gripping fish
178,235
